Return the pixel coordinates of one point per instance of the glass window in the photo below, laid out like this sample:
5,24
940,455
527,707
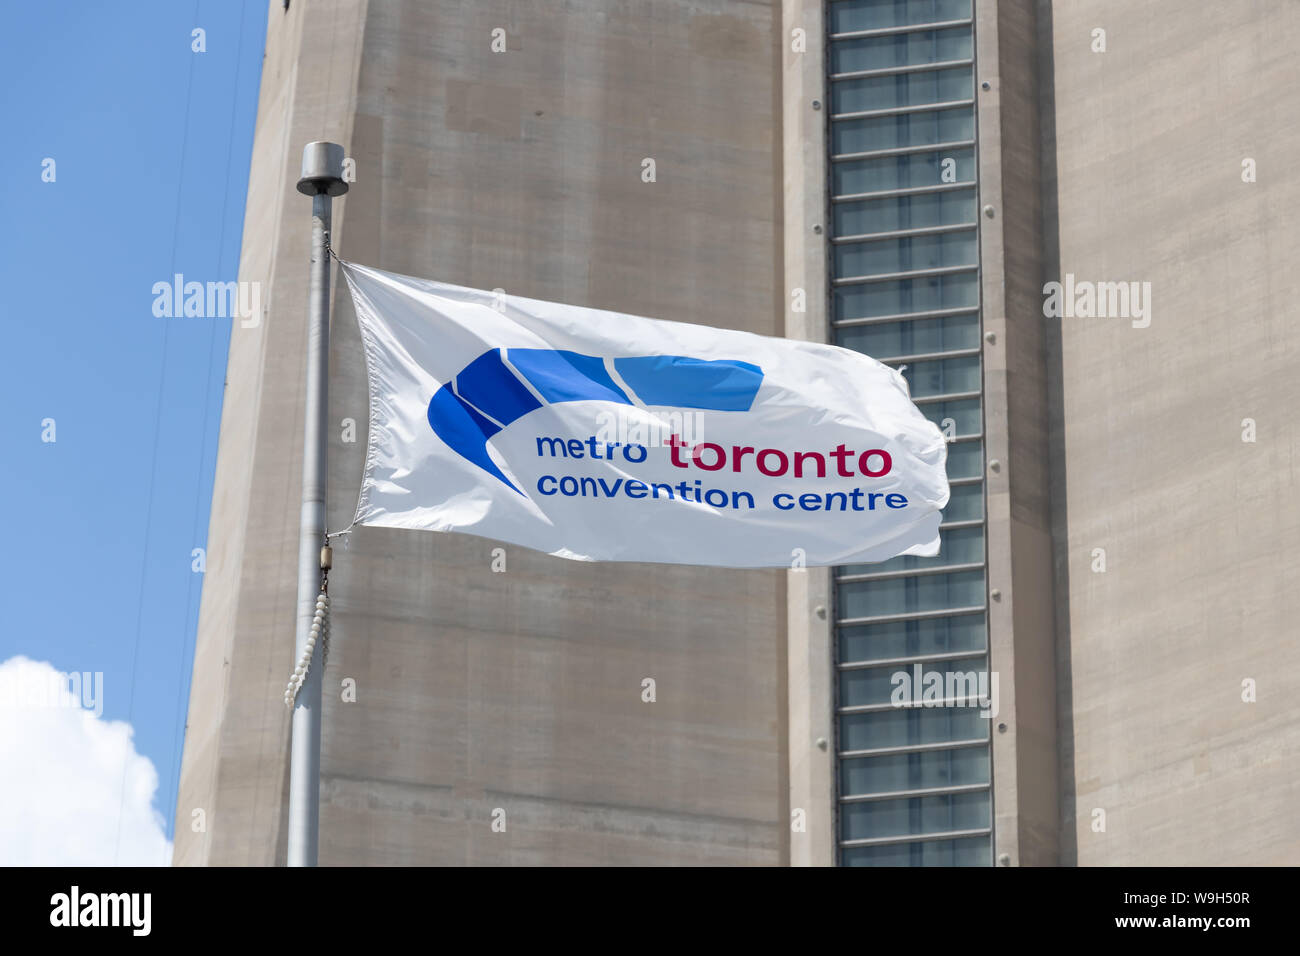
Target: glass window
909,254
900,296
931,768
893,213
906,129
908,171
915,337
938,814
936,635
965,502
929,592
901,89
910,726
956,546
955,419
847,16
943,376
969,851
900,49
965,679
965,460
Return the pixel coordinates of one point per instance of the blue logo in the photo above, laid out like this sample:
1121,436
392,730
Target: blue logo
487,394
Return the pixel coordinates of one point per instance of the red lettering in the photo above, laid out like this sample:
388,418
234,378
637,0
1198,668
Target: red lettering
785,462
719,460
886,463
839,454
799,458
675,443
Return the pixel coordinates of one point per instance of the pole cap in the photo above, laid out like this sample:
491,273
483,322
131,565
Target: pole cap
322,170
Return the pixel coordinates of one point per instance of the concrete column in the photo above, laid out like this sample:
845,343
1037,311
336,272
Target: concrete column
809,607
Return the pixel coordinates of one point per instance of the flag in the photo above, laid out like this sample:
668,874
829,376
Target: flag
600,436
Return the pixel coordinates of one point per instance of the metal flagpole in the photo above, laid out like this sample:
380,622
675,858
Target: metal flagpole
322,179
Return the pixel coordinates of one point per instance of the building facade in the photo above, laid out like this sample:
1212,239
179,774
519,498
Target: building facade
899,177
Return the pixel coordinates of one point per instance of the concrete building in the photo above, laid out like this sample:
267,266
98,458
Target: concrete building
903,177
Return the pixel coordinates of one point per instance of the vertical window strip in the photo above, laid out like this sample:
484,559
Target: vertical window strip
942,813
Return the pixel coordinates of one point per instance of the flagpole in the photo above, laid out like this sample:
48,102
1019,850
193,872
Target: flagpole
322,179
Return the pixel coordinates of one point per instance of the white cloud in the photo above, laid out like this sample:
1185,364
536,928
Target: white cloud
71,777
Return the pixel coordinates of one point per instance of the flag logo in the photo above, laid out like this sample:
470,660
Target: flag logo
503,385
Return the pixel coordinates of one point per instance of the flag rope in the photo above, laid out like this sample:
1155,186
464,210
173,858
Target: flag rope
319,630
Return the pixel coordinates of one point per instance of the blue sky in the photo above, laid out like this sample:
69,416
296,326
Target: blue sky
151,143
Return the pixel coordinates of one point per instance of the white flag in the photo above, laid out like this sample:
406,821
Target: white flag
600,436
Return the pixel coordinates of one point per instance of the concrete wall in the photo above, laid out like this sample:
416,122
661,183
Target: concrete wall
810,609
1199,528
234,767
1022,645
478,690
